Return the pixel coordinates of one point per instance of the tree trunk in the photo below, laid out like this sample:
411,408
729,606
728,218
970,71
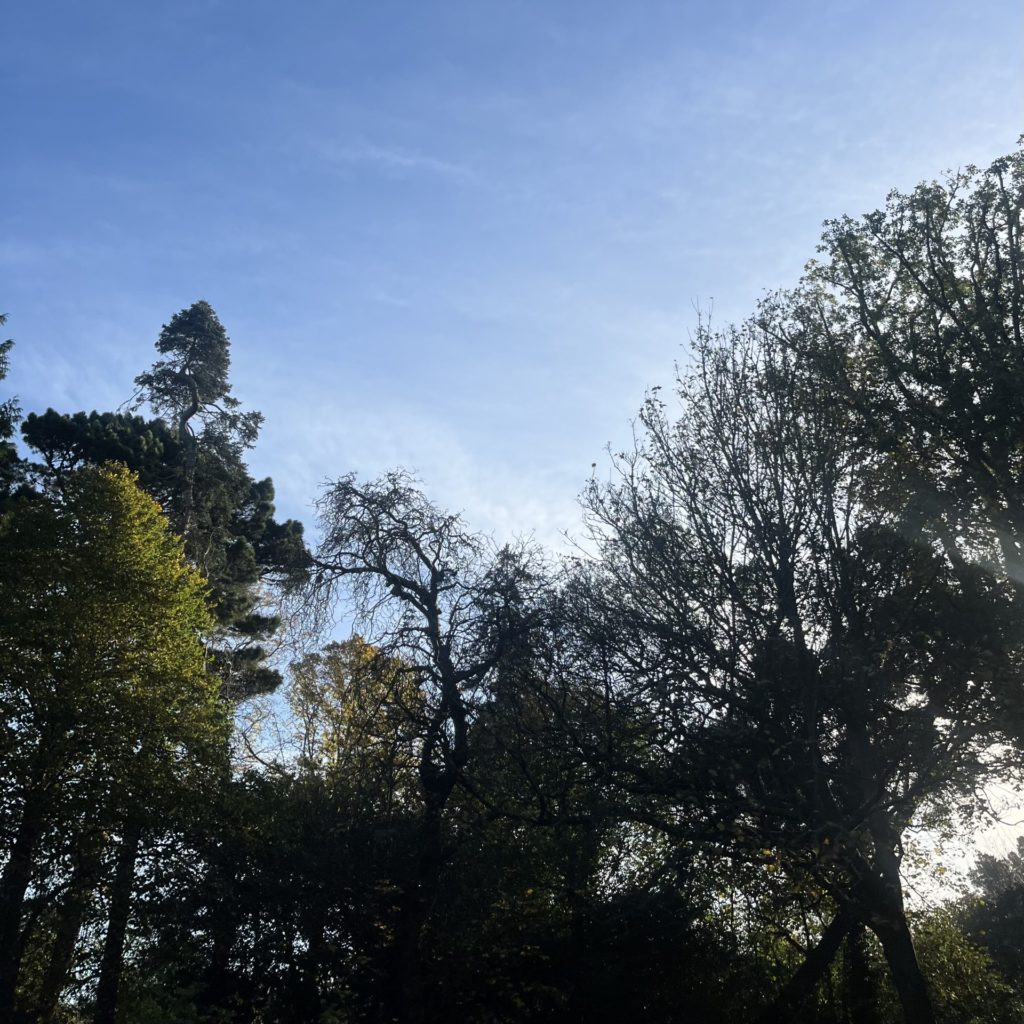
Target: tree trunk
186,436
882,898
219,982
417,899
61,955
313,929
861,1006
117,926
577,870
13,885
906,971
810,972
69,926
407,995
415,906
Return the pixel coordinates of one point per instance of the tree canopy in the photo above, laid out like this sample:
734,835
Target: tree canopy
106,699
688,772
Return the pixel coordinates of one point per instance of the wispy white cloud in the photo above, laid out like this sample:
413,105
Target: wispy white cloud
505,497
393,159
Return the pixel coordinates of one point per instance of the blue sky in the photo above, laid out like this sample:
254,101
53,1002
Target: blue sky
462,237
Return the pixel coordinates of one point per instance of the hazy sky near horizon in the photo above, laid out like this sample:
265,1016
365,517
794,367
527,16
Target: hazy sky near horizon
461,237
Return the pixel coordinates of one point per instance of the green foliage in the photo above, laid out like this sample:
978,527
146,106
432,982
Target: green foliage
11,468
192,380
67,442
967,986
194,468
995,917
107,709
674,781
810,609
912,317
356,711
104,670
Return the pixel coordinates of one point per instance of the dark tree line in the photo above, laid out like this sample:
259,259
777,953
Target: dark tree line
195,470
680,777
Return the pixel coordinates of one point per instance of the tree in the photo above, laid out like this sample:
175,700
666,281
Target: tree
965,979
995,918
302,866
437,597
805,678
13,467
194,466
191,385
357,712
106,700
10,463
913,316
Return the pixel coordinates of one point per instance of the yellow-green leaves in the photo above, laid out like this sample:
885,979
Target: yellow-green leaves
104,679
357,711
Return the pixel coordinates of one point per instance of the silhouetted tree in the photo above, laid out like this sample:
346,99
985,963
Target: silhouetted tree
430,589
805,678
